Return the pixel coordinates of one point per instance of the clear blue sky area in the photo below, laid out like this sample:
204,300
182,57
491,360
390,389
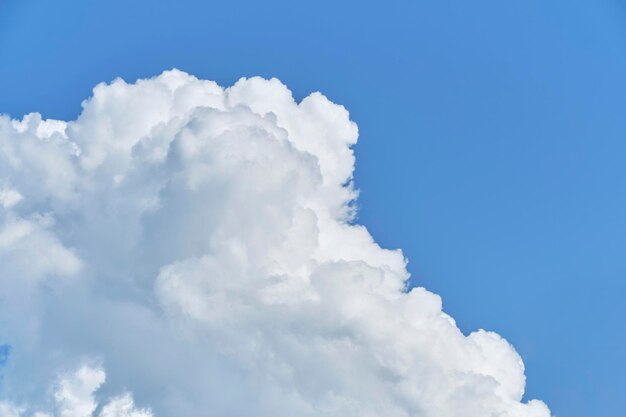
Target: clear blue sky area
492,148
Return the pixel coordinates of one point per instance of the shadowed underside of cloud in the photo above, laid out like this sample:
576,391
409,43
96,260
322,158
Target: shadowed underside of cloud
198,243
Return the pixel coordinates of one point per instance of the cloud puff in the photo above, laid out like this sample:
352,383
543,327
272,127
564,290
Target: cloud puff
200,242
74,397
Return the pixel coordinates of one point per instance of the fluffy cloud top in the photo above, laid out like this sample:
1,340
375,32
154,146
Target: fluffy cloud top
74,397
199,242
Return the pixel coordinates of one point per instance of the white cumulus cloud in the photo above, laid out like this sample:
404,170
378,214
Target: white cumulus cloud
200,243
74,397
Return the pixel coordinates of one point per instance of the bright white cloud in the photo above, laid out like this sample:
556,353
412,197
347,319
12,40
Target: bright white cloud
199,242
9,410
74,397
74,394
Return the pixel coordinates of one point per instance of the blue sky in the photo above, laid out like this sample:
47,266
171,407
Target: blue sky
492,142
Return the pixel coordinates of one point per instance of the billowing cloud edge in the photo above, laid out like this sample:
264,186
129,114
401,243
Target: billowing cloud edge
201,241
